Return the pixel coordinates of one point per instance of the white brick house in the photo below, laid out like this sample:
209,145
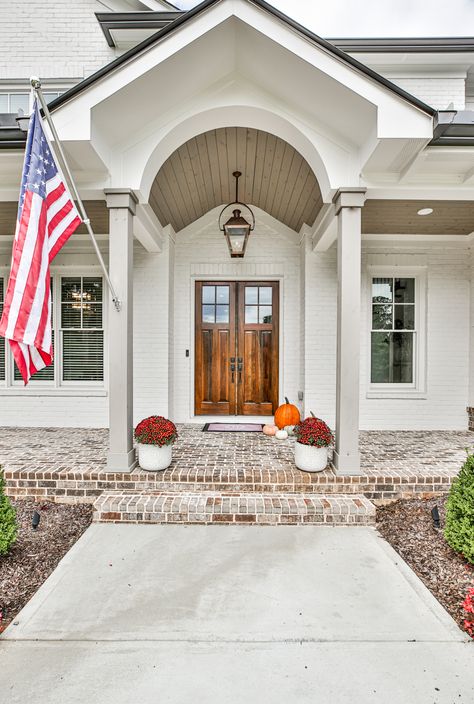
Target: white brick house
341,143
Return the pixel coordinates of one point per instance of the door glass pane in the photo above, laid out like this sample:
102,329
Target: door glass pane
405,290
382,317
251,314
405,317
223,294
265,295
222,314
251,295
265,314
3,102
392,358
208,314
208,294
382,290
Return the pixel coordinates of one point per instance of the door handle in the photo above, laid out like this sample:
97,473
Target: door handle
239,369
232,369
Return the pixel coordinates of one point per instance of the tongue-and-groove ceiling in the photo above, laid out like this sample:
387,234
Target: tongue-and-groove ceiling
197,177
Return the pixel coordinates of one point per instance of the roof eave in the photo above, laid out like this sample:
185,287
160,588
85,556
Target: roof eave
202,7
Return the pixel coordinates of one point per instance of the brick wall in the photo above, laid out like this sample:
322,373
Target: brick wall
201,252
151,325
163,330
51,39
438,92
447,330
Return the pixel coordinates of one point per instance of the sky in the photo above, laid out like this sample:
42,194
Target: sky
377,18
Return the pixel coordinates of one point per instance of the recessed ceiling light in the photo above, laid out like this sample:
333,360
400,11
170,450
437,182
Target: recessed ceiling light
425,211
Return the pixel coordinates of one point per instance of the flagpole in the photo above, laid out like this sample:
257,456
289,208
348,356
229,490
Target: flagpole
36,85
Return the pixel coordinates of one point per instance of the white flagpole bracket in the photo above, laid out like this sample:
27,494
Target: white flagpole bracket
36,85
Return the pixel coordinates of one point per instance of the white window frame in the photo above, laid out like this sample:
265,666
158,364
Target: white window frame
54,86
10,387
416,389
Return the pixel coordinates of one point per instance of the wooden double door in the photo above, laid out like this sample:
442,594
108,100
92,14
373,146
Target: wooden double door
236,351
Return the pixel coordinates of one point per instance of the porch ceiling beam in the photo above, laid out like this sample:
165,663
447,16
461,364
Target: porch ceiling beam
325,228
411,165
147,229
468,178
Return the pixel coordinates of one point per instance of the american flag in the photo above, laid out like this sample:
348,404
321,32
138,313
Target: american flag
47,217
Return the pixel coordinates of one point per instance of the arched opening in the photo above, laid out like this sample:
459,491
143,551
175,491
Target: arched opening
197,177
238,319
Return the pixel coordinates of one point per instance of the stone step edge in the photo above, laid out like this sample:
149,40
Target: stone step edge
216,507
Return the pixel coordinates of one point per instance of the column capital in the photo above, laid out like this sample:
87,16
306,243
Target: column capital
121,198
349,198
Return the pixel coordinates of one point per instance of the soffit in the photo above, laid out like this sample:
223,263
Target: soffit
96,210
399,217
198,177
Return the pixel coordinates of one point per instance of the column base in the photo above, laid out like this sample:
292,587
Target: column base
122,461
347,465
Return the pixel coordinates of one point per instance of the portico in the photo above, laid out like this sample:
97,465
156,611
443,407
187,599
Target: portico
321,140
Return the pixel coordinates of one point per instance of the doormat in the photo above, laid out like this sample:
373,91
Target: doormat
232,428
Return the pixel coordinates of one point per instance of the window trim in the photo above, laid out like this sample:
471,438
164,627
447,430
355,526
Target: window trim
417,389
23,88
10,387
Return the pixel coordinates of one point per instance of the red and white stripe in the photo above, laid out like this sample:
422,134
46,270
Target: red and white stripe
44,227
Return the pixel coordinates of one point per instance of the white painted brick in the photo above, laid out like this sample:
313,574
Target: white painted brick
60,39
437,92
201,252
448,332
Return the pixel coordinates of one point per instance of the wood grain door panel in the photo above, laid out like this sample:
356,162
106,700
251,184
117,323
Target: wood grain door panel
258,319
214,388
236,348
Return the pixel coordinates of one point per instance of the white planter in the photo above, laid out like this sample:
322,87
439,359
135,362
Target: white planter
310,458
153,458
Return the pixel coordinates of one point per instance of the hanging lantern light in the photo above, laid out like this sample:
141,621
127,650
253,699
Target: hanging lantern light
237,229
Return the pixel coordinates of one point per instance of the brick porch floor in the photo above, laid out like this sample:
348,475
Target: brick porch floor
69,465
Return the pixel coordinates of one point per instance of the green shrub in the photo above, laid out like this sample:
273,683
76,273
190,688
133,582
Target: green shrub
8,527
459,531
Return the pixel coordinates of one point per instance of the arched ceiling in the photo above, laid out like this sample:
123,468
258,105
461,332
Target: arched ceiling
197,177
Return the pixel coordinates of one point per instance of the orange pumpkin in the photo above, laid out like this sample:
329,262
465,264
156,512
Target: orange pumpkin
287,414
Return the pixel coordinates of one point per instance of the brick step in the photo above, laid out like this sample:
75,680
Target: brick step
217,507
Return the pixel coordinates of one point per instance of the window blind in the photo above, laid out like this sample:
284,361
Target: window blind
82,328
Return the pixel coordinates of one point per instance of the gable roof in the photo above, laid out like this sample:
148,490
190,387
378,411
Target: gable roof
207,4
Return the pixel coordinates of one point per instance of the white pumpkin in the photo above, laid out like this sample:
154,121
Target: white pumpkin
281,434
290,429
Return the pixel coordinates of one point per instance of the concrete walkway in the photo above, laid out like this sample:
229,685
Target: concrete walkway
233,614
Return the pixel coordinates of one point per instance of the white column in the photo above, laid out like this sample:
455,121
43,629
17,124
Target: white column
121,455
348,203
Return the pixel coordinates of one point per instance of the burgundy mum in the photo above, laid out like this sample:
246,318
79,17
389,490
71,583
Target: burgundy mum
156,430
313,431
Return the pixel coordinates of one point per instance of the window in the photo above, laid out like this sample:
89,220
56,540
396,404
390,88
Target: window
82,328
46,374
397,358
215,304
15,101
77,318
258,304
